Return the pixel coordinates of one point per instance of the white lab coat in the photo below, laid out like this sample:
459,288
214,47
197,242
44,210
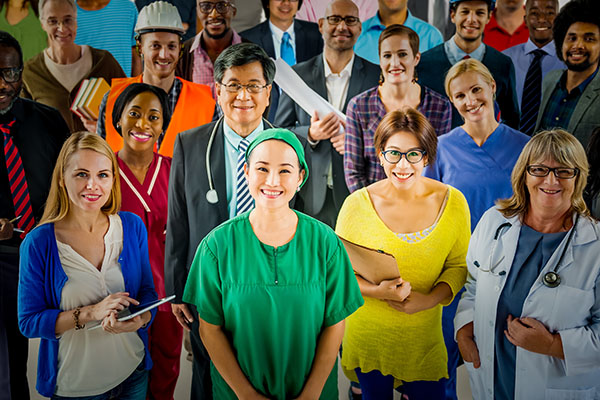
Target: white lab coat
572,309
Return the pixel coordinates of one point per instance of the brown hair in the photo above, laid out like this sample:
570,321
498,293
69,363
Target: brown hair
400,30
58,203
411,121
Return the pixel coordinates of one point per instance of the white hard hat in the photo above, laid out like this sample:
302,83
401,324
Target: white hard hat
159,16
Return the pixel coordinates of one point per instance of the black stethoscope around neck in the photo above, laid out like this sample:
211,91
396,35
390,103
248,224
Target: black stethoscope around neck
551,279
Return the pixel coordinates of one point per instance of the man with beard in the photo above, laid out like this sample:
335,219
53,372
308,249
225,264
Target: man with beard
470,18
32,136
201,51
507,27
570,98
159,31
337,75
534,59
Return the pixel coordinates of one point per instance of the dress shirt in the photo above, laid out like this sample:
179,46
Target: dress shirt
455,53
277,35
522,56
337,84
494,35
232,142
312,10
367,45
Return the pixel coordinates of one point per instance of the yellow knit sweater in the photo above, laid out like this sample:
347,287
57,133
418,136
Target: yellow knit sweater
377,337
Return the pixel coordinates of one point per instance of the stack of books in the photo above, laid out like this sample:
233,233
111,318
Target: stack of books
88,98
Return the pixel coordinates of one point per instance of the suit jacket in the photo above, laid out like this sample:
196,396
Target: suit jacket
586,116
364,75
308,40
434,65
191,216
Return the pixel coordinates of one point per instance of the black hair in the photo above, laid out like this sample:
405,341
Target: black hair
242,54
454,6
593,154
265,6
7,40
129,94
572,12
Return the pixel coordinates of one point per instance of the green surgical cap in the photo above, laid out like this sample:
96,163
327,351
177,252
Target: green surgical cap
286,136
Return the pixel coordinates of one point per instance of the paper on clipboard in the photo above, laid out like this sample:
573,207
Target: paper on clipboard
372,265
309,100
126,314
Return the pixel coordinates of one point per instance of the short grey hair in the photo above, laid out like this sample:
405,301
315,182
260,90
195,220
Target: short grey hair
242,54
42,3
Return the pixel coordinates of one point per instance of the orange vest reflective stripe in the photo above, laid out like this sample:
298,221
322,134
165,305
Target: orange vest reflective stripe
195,106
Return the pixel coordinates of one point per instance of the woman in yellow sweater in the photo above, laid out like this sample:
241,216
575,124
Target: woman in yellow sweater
393,339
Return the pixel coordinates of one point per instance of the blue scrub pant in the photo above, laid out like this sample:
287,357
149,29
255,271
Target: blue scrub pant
376,386
448,314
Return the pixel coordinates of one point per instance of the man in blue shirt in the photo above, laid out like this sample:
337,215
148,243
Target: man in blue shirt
570,98
393,12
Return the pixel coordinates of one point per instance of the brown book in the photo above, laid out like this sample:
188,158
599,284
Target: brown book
371,264
78,96
90,85
93,100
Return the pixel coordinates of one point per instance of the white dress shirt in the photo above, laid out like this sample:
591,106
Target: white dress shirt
277,35
337,84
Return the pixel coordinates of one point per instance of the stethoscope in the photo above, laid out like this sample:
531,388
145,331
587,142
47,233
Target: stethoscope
211,196
551,279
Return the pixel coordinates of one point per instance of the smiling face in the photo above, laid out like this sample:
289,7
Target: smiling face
160,51
60,22
539,18
581,47
273,174
9,92
88,179
340,37
403,175
470,19
397,60
473,96
282,12
141,123
549,194
216,25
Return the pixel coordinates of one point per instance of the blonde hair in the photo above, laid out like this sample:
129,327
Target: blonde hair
464,66
58,203
559,146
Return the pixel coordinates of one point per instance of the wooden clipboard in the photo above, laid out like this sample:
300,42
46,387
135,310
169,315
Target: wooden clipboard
372,265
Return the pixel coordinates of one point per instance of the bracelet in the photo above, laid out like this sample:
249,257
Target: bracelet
76,319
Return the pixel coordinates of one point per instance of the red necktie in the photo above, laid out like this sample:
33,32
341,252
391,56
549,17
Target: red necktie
17,181
466,57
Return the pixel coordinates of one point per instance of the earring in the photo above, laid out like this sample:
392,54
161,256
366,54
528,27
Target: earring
381,79
118,125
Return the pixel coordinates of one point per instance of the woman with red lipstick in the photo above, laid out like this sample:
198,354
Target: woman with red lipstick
398,88
140,116
396,339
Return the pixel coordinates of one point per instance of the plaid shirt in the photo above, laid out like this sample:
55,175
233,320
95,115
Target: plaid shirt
561,103
364,112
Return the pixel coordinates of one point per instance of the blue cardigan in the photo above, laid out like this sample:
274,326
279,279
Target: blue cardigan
42,278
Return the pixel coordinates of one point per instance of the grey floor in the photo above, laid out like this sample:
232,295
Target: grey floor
182,391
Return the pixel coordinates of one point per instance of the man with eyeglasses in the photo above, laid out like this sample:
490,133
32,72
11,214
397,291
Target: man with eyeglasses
337,75
32,135
201,51
206,185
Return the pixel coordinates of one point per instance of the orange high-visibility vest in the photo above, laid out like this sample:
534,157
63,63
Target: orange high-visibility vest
195,106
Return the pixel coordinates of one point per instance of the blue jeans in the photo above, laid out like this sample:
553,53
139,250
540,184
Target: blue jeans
132,388
376,386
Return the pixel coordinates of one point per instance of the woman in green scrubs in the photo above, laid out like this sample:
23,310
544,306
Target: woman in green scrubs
273,287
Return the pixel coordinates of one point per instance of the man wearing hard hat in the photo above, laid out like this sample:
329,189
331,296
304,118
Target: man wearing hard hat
159,41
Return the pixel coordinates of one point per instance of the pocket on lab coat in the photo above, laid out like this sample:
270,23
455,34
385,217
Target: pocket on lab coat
572,307
571,394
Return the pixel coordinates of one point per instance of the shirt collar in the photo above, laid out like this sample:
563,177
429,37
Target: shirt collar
278,33
346,72
234,139
531,47
375,22
456,54
582,85
198,40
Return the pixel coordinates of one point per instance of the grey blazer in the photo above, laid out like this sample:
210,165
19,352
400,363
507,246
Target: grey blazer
586,116
364,75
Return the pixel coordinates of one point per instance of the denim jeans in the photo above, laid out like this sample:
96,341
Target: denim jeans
132,388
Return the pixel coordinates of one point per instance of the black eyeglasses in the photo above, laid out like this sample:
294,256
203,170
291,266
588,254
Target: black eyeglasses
413,156
337,19
540,171
222,7
11,75
251,88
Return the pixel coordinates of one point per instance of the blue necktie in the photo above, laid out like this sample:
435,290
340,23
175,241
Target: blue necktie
244,200
287,51
532,93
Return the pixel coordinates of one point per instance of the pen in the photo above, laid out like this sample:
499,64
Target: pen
12,221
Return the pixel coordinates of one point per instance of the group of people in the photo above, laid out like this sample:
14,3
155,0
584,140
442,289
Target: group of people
203,179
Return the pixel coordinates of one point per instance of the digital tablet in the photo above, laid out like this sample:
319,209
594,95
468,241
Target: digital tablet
133,311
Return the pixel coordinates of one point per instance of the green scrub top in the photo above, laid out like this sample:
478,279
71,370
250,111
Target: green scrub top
28,32
273,303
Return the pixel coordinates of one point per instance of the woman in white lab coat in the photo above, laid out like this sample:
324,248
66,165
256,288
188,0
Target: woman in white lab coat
528,325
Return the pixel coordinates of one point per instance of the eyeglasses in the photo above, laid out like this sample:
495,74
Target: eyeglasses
68,21
237,87
11,75
413,156
222,7
540,171
337,19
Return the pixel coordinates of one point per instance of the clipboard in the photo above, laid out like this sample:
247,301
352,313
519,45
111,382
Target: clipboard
372,265
133,311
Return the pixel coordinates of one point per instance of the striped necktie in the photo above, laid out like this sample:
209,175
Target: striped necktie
532,93
17,181
286,50
243,198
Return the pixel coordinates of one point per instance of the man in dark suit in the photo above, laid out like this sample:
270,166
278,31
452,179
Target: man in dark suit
336,75
284,36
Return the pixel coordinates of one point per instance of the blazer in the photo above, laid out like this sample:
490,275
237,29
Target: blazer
586,116
308,40
190,215
434,65
364,75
